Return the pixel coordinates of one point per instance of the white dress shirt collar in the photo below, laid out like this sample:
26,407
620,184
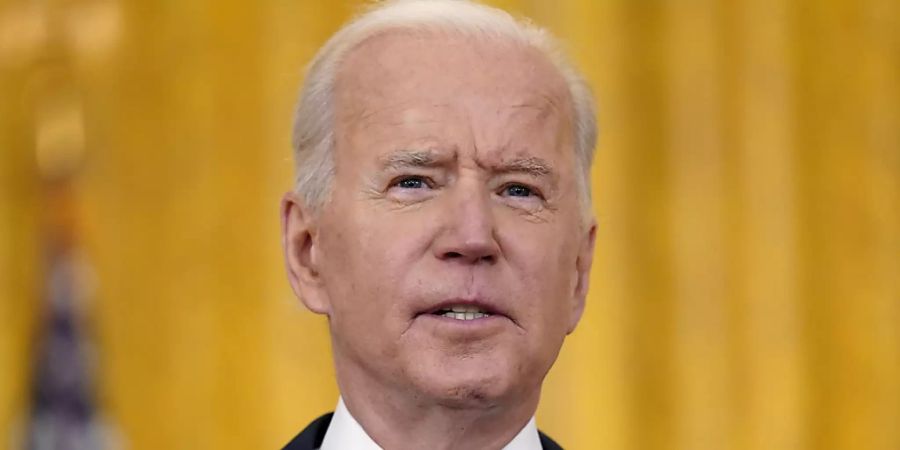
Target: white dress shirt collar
345,433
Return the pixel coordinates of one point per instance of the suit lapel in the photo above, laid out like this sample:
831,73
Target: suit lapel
312,436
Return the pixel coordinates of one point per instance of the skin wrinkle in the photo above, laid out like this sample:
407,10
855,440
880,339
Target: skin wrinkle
532,166
364,118
394,163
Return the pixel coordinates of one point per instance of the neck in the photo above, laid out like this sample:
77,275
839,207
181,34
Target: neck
399,417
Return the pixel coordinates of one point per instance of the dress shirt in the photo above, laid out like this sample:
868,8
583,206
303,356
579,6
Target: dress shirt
345,433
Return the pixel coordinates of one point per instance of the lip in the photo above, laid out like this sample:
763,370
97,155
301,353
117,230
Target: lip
481,304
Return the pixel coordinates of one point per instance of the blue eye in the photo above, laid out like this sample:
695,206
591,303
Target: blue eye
411,183
517,190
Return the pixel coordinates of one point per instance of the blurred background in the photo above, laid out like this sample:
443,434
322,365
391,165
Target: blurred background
745,292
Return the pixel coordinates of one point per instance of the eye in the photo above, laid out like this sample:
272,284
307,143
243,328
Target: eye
410,182
517,190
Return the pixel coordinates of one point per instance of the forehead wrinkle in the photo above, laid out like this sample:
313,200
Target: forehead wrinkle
538,111
545,103
397,114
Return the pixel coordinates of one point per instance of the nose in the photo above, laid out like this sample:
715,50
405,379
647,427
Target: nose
468,232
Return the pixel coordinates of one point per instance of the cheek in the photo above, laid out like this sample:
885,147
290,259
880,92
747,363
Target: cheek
542,260
390,246
370,257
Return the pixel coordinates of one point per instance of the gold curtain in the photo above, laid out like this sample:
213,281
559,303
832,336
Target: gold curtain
746,288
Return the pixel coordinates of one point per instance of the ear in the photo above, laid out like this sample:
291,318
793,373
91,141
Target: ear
583,274
299,239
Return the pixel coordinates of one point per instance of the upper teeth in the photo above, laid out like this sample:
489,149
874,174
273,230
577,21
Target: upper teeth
463,313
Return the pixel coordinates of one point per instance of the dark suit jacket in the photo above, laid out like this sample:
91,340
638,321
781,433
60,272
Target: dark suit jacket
311,437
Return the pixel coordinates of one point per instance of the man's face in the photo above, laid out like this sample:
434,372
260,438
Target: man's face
455,189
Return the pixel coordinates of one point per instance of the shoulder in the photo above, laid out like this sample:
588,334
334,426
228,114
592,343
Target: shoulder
311,437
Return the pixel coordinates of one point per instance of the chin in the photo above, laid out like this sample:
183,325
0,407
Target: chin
470,382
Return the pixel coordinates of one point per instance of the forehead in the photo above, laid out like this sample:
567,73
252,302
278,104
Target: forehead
398,72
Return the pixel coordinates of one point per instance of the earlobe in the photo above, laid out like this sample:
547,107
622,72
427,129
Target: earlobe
300,244
583,263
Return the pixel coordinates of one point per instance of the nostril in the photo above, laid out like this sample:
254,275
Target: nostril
470,258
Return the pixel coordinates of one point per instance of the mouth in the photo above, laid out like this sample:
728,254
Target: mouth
464,310
465,320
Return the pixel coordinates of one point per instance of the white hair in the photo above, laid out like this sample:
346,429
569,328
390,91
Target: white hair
313,133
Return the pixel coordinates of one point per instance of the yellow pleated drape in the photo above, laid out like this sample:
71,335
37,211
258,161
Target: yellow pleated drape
746,288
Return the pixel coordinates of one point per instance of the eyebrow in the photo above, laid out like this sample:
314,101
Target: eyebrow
404,159
532,165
